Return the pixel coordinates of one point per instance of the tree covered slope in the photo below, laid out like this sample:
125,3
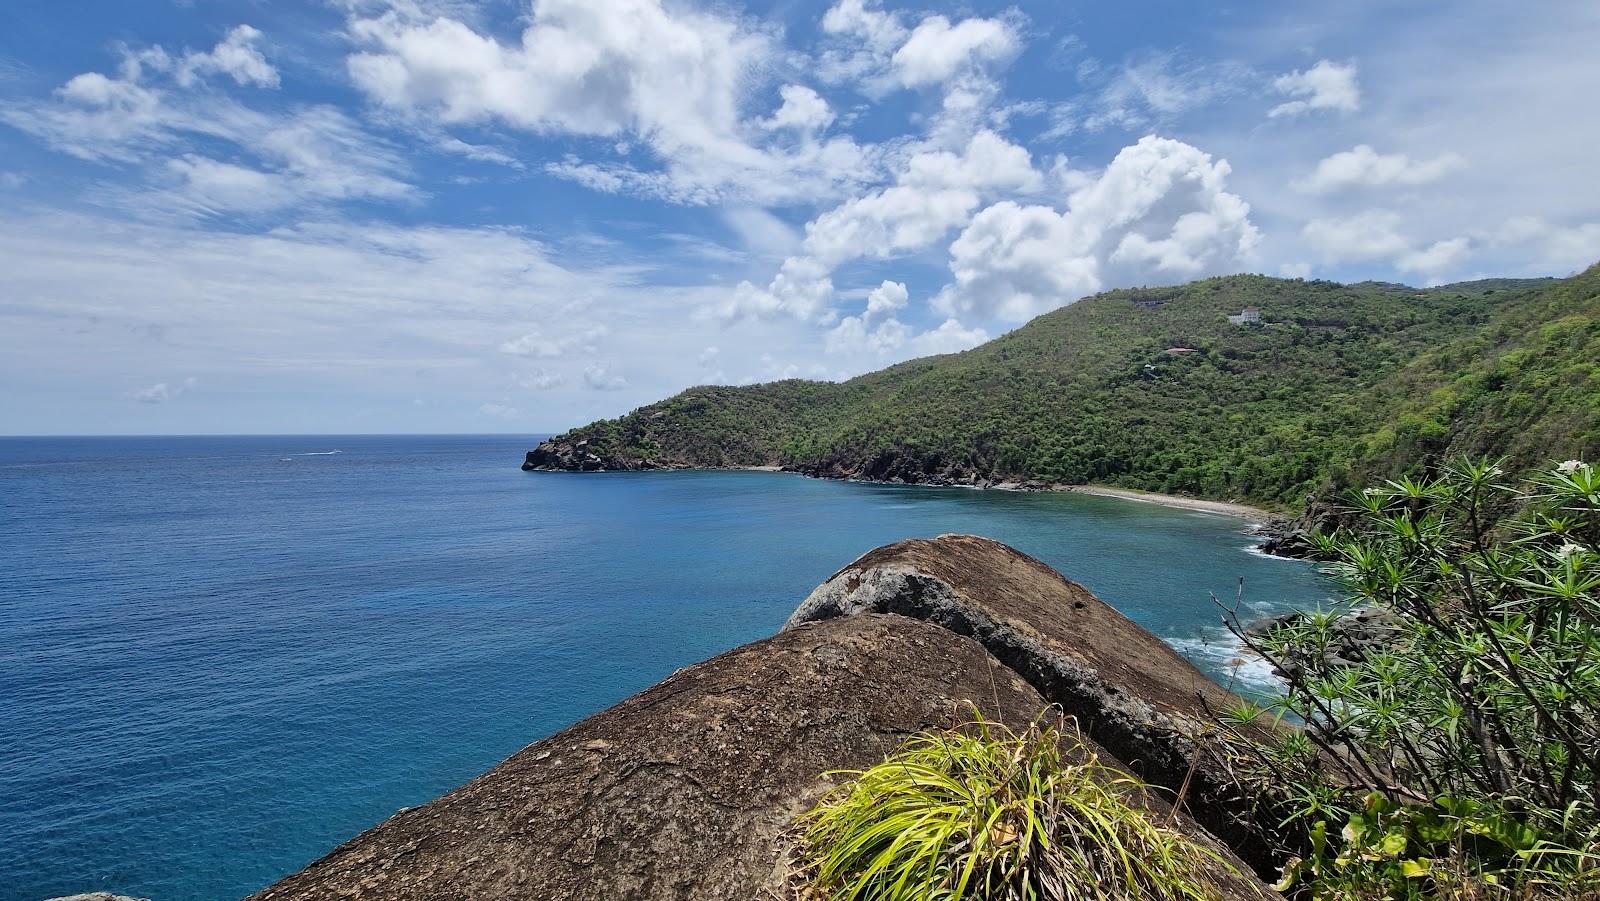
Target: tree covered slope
1155,389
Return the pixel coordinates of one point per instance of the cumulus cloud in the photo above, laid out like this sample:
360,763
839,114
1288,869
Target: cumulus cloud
1160,211
879,52
1363,167
1437,258
236,56
876,329
950,337
866,37
1325,86
935,191
674,79
938,51
803,110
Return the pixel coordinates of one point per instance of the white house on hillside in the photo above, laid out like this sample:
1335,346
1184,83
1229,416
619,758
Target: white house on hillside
1249,316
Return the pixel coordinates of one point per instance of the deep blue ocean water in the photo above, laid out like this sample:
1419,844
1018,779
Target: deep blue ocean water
219,657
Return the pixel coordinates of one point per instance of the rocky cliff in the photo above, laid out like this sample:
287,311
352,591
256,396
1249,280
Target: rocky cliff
688,790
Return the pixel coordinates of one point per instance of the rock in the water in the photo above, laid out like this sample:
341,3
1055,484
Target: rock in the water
1354,636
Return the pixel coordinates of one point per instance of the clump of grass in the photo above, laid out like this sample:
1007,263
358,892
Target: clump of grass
986,813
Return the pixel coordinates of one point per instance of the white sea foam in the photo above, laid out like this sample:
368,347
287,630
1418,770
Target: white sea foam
1220,653
318,453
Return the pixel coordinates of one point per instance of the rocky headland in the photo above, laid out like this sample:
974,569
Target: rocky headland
689,790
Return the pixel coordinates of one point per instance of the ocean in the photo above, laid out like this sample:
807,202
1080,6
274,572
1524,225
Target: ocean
220,657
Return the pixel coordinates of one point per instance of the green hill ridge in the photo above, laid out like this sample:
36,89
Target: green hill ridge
1156,389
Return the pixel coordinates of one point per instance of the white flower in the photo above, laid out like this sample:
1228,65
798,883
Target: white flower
1568,551
1495,471
1571,466
1369,492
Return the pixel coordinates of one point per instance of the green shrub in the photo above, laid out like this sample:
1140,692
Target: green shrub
985,813
1460,761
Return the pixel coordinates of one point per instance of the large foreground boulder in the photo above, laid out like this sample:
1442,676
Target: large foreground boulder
1129,690
688,790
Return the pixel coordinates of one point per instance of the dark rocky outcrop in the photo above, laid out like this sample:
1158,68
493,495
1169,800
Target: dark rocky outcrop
689,789
1353,636
1286,537
567,454
1129,690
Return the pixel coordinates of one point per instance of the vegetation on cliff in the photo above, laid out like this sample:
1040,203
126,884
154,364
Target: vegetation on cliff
1156,389
1460,760
989,814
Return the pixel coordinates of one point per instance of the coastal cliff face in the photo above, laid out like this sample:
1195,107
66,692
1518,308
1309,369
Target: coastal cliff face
689,789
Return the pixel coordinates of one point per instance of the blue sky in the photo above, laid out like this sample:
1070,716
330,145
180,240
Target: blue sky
503,215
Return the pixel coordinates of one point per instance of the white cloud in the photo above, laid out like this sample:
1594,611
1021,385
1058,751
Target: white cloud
951,336
855,336
1160,211
1436,259
865,37
1363,167
538,344
306,154
235,56
1561,249
803,110
1325,86
539,380
886,300
938,51
875,330
311,155
161,392
600,378
1375,235
675,79
862,19
1148,90
1364,237
934,192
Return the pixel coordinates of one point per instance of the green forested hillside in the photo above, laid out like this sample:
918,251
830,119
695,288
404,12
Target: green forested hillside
1338,382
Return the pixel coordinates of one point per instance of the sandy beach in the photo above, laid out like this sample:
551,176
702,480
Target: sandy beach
1255,514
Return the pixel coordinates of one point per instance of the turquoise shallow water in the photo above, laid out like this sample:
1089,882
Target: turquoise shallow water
219,657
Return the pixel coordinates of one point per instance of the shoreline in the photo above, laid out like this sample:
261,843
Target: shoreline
1227,508
1255,515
